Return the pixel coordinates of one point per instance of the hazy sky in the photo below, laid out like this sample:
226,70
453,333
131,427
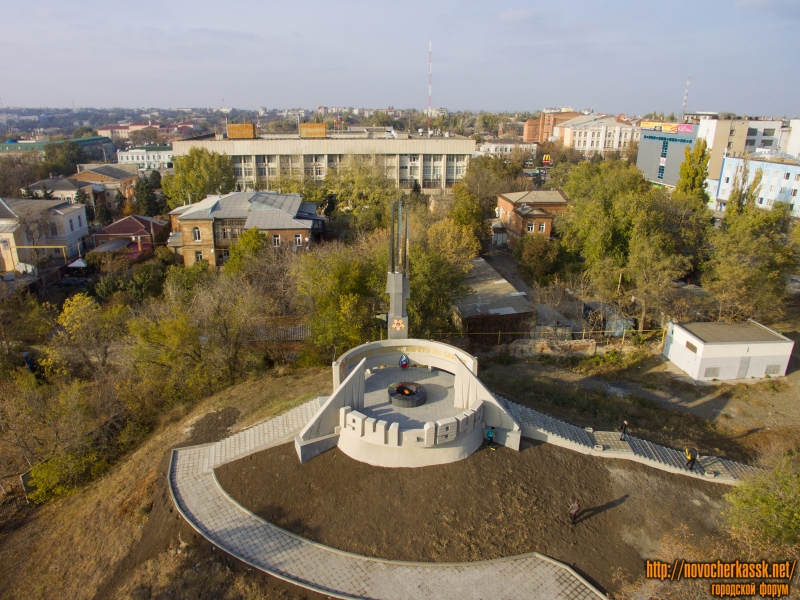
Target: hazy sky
613,56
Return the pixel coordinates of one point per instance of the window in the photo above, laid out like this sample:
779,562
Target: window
53,229
226,254
71,226
541,227
196,234
531,227
711,372
769,132
661,172
797,177
752,131
750,142
198,256
794,192
298,239
80,224
691,347
783,190
727,180
276,240
766,143
772,370
664,148
786,175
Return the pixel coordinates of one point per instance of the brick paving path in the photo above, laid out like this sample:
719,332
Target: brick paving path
209,509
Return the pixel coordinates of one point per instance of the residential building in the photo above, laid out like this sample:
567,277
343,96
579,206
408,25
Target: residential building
123,132
147,157
790,138
110,177
97,147
734,137
511,129
780,180
66,189
541,129
723,351
206,230
506,146
56,229
597,133
661,150
529,213
136,234
435,163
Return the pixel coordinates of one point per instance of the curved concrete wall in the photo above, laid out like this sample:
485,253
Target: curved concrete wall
387,353
362,450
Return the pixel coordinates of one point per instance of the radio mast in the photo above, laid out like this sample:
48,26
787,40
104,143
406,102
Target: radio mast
685,97
430,82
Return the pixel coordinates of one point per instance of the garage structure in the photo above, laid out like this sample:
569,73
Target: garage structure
708,351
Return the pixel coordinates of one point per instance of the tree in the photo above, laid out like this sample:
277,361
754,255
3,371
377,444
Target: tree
247,247
743,194
538,257
148,135
46,194
27,192
146,201
102,215
753,255
457,243
17,171
84,131
768,502
198,174
61,158
694,171
155,179
467,212
120,201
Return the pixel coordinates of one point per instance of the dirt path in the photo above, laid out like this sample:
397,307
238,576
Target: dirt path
493,504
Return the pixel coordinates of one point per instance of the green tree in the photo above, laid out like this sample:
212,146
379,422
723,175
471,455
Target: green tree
538,257
155,179
768,502
102,215
17,171
435,285
744,192
467,211
84,131
146,201
457,243
120,201
245,250
197,175
27,192
694,171
61,158
752,256
46,194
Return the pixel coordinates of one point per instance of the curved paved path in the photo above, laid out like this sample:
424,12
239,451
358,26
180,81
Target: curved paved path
215,515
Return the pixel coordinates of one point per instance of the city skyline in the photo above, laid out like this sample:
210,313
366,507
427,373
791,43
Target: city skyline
509,56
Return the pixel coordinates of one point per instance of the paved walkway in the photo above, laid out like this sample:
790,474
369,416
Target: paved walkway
215,515
226,524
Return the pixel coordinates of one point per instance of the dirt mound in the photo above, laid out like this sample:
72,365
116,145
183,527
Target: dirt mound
493,504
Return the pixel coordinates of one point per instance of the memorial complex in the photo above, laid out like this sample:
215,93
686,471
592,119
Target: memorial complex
367,418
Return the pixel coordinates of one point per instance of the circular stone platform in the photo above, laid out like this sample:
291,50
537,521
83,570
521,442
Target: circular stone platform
438,404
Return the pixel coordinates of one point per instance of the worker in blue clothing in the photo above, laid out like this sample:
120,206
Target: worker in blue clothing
490,437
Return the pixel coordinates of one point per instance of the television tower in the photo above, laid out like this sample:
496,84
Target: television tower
685,97
430,82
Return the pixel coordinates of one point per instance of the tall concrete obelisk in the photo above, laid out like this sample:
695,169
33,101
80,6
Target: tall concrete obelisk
397,282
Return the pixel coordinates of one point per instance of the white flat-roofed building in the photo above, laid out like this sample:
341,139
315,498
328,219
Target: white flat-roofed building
597,133
147,157
707,351
780,181
435,163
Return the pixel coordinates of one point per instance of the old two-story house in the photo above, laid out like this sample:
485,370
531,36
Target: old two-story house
111,178
206,230
34,230
529,213
66,189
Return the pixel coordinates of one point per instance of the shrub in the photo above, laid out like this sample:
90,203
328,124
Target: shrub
63,473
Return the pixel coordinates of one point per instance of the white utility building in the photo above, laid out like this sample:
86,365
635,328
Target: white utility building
720,351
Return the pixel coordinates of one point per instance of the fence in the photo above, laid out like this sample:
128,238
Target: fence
552,334
282,333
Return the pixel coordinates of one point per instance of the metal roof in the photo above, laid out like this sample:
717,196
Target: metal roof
59,184
265,210
491,294
5,211
108,171
535,197
727,333
112,245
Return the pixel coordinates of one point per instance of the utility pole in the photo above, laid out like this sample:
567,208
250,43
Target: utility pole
430,82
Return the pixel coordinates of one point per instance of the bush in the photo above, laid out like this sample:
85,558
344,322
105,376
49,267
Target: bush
165,256
63,473
769,501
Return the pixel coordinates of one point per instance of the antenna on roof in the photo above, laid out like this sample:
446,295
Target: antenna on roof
685,97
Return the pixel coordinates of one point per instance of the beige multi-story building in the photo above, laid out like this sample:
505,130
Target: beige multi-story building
36,230
734,137
597,133
206,230
435,163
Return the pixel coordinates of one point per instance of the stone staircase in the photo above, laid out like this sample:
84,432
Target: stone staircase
253,439
547,424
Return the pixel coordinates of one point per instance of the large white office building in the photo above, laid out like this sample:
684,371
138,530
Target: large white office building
597,133
147,157
435,163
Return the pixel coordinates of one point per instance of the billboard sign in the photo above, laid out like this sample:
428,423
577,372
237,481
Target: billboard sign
667,127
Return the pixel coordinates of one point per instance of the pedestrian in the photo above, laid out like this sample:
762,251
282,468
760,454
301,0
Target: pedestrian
574,509
623,431
691,458
490,437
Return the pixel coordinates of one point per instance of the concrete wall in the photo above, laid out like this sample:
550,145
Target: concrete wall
752,358
387,353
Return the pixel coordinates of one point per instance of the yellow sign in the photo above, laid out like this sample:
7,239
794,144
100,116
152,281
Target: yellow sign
546,159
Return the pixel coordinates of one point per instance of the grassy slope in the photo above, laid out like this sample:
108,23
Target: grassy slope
67,549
